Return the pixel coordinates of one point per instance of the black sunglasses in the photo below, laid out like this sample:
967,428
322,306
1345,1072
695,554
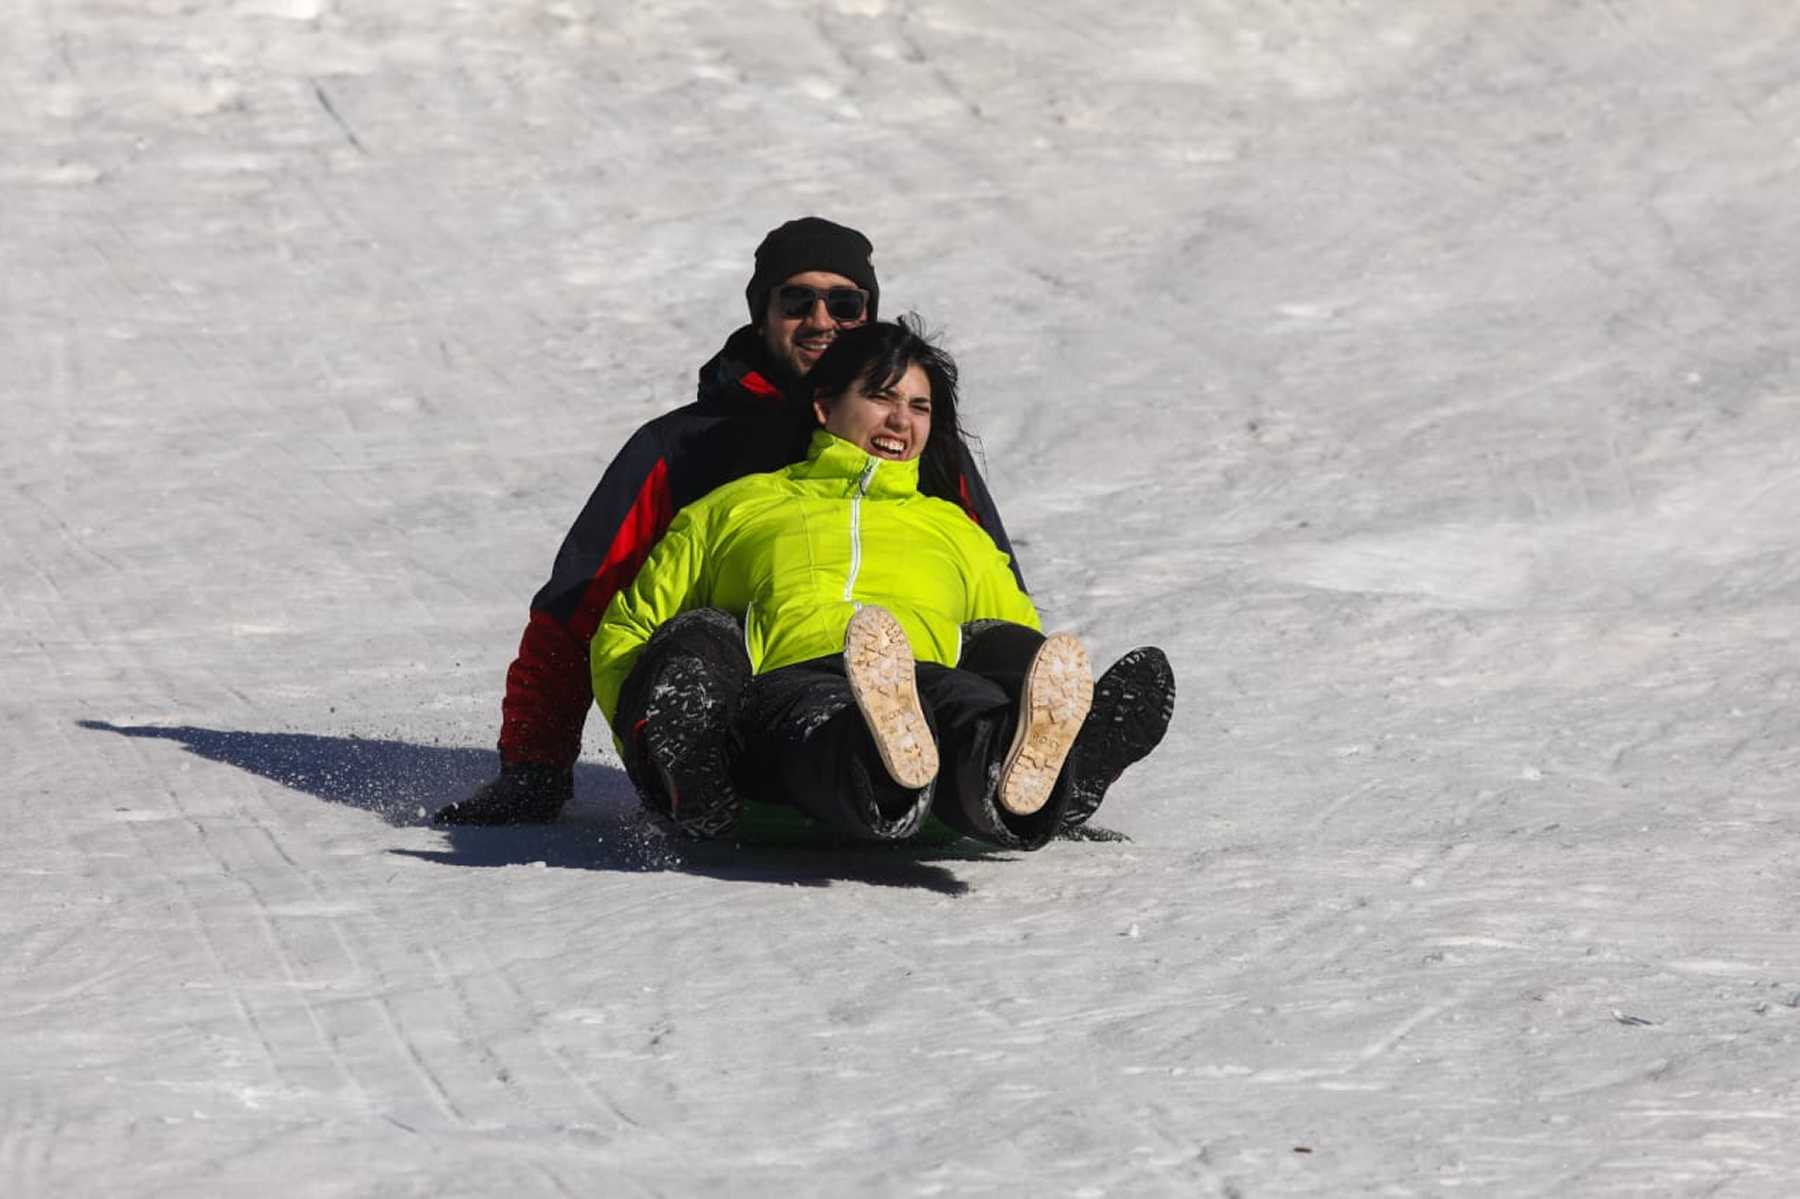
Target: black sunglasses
841,303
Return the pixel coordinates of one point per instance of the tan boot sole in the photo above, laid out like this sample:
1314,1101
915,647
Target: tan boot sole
878,660
1059,689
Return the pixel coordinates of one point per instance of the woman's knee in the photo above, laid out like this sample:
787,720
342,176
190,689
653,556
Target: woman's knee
712,632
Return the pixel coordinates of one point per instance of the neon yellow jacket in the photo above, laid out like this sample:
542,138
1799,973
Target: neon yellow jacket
796,551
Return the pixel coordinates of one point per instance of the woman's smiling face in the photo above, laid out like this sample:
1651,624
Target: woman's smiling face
891,422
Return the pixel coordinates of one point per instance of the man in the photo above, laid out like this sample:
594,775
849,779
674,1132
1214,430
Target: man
752,413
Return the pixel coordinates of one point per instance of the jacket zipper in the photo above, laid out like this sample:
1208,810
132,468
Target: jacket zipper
862,489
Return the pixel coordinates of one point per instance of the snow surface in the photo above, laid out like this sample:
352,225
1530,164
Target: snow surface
1423,376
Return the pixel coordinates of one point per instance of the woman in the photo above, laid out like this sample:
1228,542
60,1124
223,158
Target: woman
852,587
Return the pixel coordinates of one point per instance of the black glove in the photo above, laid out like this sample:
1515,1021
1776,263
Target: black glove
524,793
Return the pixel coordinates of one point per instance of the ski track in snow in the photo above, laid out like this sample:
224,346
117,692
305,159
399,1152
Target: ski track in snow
1422,377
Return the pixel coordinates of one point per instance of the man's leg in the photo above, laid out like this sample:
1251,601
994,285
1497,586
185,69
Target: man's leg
1133,702
677,719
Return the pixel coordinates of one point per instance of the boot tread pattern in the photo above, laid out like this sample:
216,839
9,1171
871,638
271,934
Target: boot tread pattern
878,661
1059,689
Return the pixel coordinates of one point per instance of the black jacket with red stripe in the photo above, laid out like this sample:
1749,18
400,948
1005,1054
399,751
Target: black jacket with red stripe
740,424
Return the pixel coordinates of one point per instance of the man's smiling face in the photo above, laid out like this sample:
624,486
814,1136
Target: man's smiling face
795,342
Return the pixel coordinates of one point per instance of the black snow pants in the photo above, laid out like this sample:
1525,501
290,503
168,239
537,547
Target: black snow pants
799,740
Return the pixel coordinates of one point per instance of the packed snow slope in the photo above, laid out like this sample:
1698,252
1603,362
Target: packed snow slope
1422,376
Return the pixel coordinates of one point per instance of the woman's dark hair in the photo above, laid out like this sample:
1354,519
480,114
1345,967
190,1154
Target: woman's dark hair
876,355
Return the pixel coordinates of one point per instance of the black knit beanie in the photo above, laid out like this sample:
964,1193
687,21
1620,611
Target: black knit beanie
810,244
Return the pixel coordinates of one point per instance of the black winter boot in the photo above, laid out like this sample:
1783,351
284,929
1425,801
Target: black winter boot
1133,702
523,793
677,721
687,742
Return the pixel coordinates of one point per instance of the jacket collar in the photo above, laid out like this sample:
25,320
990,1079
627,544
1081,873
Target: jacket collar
740,373
831,458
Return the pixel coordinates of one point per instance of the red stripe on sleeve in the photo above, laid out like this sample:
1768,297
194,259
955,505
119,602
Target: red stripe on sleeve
548,693
648,519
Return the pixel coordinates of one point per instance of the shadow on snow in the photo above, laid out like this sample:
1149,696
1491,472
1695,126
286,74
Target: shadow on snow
603,829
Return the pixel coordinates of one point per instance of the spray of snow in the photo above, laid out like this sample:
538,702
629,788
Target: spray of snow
1421,376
